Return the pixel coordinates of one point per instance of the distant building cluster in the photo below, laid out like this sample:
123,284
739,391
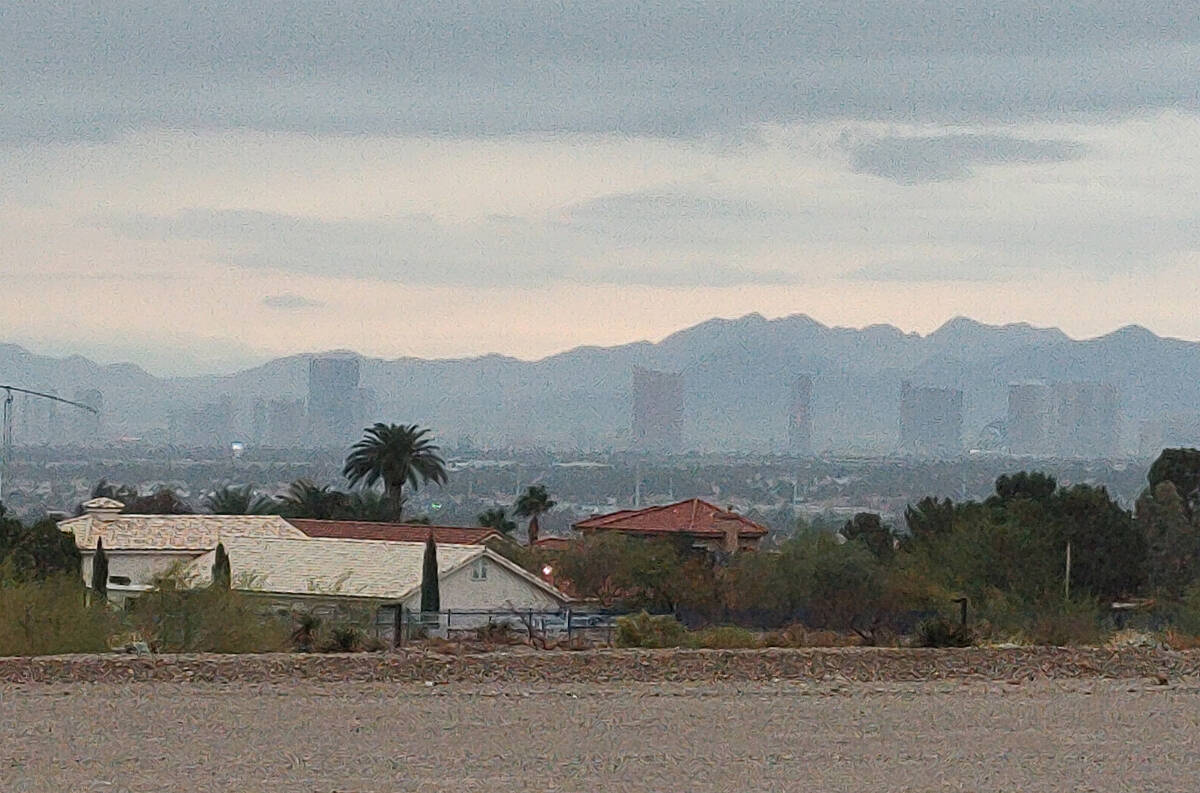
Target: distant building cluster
931,420
658,410
334,413
1064,419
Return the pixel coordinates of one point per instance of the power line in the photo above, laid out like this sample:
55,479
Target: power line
7,442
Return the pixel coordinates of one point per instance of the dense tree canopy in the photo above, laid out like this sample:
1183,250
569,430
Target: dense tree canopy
1180,467
37,551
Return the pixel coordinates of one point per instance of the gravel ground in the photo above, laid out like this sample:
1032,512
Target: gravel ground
970,735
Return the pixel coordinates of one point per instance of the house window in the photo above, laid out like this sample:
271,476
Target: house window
479,570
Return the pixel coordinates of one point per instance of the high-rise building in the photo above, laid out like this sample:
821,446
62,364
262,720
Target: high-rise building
1086,421
333,398
931,420
285,424
209,426
85,427
657,410
1030,414
800,416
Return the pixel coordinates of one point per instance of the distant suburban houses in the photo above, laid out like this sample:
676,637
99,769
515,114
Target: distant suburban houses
705,525
292,563
332,566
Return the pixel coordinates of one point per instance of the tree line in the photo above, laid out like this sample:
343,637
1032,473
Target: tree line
1033,558
389,460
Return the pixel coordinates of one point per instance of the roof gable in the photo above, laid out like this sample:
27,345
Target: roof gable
377,569
393,532
172,532
322,566
693,517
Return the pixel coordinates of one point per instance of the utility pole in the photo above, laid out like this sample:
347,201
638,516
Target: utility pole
7,432
1067,575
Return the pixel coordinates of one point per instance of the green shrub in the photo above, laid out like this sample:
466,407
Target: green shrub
177,619
49,616
1077,623
344,639
1184,615
642,630
305,629
940,632
725,637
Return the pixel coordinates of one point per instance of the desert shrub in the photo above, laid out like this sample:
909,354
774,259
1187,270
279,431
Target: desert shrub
49,616
495,633
1184,614
344,639
374,644
306,628
940,632
724,637
1075,623
643,630
178,619
798,635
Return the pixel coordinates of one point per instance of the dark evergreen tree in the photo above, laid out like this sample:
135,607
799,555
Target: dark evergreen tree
431,599
100,571
222,577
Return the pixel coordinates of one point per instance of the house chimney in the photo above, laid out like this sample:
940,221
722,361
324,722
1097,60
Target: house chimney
103,509
730,525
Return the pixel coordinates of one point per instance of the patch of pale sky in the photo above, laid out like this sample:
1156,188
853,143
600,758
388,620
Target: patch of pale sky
1087,244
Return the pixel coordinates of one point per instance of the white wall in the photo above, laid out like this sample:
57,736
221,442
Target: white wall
501,589
140,566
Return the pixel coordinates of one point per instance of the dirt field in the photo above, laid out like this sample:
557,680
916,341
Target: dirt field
1096,735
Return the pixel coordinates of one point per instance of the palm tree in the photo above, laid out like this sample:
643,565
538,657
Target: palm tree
533,502
498,520
396,455
371,506
305,499
231,500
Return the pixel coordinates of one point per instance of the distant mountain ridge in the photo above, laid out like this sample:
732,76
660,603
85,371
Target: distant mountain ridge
737,374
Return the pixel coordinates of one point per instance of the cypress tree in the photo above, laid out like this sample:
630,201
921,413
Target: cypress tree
430,594
100,570
222,577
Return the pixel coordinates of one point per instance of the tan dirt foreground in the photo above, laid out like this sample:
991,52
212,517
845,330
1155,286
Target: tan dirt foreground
599,666
966,735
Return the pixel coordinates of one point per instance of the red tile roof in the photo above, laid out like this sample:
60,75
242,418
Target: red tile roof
554,543
394,532
694,517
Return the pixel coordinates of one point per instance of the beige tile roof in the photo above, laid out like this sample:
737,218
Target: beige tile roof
172,532
313,565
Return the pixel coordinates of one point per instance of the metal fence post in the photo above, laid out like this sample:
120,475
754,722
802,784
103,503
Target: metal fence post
568,626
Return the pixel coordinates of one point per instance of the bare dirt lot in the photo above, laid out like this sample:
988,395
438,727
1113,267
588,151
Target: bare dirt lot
1051,735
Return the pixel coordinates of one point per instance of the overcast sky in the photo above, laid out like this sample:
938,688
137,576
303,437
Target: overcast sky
197,186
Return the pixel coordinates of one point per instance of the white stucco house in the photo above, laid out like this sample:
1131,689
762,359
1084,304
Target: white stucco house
327,575
273,559
141,547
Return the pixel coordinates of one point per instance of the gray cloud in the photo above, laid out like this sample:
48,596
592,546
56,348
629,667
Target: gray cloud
494,251
290,302
930,271
913,160
78,69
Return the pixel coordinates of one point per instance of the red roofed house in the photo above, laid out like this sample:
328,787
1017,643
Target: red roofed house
708,526
394,532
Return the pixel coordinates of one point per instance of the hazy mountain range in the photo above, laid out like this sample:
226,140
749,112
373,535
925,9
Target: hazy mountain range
738,375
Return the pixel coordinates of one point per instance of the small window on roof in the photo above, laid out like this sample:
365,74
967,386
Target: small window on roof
479,569
119,580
